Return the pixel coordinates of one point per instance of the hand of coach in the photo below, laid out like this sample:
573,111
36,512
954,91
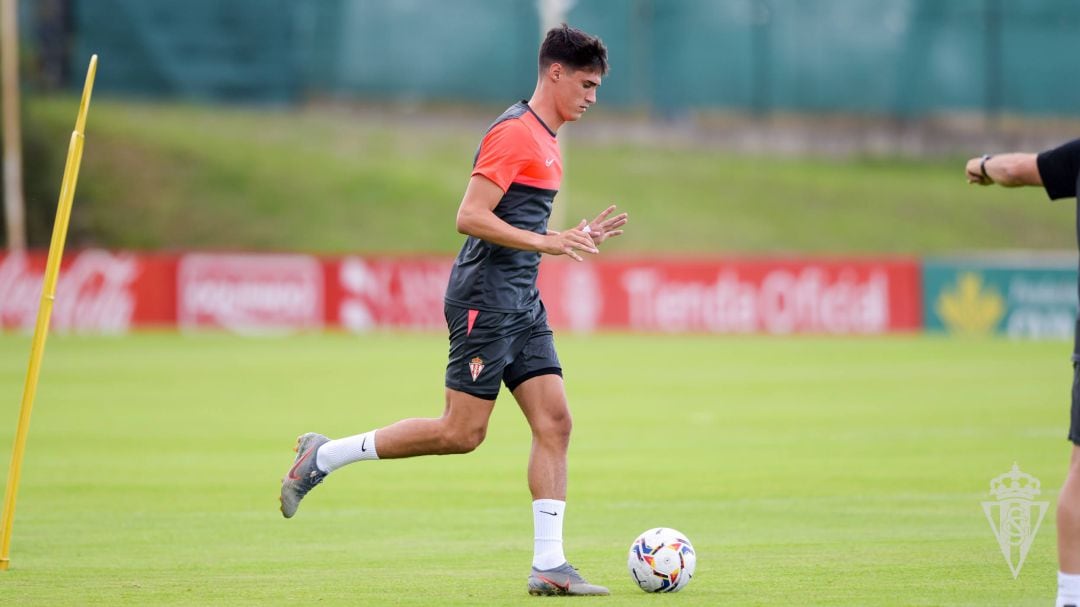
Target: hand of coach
475,217
1007,170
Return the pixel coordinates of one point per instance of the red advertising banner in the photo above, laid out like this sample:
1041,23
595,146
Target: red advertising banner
776,296
368,293
249,293
833,296
108,292
98,291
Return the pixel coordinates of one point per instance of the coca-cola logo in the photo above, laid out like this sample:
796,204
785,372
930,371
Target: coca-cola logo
252,294
94,292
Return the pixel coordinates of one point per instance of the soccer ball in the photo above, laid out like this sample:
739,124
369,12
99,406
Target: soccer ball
662,560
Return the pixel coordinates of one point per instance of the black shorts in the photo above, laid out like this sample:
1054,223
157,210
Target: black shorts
487,348
1074,424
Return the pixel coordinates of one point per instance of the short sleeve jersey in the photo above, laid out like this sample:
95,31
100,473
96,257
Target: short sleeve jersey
1059,169
519,154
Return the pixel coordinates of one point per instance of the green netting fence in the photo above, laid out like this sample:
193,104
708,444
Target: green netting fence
880,57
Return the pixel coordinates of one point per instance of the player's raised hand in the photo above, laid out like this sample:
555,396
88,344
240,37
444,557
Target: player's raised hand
569,242
603,227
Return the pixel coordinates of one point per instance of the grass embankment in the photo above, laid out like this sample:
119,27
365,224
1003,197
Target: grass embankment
331,181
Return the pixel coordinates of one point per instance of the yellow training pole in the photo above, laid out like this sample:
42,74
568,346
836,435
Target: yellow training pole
48,294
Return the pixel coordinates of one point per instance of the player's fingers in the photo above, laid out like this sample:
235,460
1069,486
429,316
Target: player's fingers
571,240
616,222
582,241
577,236
613,233
572,254
603,214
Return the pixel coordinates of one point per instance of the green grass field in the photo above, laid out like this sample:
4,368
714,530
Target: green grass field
806,471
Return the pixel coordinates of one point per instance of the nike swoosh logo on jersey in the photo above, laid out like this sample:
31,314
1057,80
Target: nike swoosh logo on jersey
549,162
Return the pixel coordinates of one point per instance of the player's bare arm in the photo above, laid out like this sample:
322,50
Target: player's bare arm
1007,170
476,218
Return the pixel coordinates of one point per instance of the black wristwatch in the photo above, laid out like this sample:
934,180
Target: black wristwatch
982,167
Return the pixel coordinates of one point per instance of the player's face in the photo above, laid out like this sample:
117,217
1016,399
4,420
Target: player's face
576,92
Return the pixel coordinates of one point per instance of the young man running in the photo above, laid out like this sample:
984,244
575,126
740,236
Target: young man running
498,325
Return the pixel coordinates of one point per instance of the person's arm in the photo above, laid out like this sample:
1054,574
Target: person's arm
1008,170
476,217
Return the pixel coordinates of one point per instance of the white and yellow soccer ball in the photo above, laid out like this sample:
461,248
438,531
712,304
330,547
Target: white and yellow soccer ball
662,560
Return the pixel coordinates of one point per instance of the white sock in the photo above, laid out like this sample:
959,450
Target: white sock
547,540
337,453
1068,589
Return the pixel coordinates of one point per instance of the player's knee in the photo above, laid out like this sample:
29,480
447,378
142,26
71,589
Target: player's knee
556,427
463,440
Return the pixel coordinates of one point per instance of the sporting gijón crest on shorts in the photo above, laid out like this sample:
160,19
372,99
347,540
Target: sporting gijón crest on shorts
519,154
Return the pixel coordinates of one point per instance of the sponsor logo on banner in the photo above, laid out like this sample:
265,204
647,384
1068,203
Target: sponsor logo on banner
778,296
582,298
970,307
253,294
780,301
399,293
1036,300
94,294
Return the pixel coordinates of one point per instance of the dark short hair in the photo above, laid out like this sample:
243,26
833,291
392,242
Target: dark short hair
573,48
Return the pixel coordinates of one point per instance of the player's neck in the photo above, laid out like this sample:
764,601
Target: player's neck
544,107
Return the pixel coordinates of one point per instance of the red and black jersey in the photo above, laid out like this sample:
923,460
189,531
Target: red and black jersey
519,153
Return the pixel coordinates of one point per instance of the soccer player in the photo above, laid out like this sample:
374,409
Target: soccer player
1057,171
497,323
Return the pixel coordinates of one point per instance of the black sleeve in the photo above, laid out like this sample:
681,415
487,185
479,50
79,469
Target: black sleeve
1059,169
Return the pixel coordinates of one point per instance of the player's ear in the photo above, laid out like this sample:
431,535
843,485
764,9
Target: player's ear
555,71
